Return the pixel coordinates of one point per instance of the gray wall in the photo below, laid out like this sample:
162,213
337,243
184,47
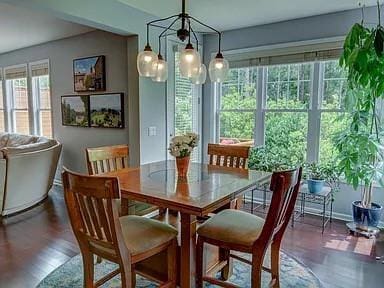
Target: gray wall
304,29
117,17
61,53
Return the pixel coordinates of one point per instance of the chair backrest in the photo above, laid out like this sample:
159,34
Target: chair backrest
285,187
94,215
228,155
107,159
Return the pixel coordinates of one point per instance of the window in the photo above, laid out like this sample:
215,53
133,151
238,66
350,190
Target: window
238,105
17,94
296,113
288,94
183,105
41,95
333,118
26,106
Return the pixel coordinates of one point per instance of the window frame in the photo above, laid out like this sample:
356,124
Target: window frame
35,95
314,110
33,99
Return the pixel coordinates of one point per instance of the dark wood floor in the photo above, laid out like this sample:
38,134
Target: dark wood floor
34,243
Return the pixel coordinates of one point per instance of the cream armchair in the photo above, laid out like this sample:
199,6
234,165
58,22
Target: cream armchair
27,169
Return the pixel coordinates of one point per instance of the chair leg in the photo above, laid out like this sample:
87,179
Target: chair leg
257,264
133,280
127,280
172,264
224,256
88,269
199,262
275,262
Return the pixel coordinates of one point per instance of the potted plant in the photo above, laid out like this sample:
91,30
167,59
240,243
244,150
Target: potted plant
360,148
181,148
315,178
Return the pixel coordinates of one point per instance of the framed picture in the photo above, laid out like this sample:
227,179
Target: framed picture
107,110
89,74
75,110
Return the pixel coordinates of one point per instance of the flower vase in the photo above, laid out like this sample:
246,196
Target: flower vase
182,164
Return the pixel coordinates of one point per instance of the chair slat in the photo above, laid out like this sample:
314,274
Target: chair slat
93,217
85,213
228,155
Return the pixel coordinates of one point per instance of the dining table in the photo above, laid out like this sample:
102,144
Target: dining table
205,189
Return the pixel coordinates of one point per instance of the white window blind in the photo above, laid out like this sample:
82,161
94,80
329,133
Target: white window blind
286,55
15,72
39,68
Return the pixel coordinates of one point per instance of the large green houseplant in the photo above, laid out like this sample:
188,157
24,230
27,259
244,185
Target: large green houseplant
360,145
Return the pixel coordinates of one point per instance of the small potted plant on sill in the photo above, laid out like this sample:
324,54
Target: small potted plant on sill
181,148
360,146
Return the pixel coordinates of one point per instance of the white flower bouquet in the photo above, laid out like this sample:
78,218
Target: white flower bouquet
182,146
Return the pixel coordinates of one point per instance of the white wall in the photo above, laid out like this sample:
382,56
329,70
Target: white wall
304,29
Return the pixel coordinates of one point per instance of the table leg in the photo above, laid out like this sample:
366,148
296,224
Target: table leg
187,251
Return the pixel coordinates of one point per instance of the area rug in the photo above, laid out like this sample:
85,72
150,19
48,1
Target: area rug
293,274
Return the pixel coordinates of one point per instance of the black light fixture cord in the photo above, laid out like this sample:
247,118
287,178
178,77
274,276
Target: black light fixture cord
162,33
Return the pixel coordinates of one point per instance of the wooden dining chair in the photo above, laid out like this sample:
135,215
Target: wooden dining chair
126,241
234,230
228,155
112,158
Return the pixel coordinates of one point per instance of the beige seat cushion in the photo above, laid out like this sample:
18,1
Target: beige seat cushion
233,226
142,234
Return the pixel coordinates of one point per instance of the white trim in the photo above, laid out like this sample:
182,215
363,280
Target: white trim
316,212
297,44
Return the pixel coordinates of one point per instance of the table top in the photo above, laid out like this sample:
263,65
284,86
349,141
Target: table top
206,188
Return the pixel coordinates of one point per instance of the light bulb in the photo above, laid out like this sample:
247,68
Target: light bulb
200,75
160,66
189,61
218,68
145,60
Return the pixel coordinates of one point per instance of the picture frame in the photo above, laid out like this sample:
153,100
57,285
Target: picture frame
89,74
107,110
75,110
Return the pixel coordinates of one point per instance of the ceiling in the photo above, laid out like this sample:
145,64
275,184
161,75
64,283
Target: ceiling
20,27
232,14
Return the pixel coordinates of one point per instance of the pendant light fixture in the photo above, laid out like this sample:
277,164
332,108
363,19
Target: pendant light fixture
200,76
191,66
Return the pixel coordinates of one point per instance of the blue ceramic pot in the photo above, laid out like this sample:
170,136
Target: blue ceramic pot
315,186
366,217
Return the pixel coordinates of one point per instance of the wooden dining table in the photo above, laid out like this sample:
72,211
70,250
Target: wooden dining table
205,189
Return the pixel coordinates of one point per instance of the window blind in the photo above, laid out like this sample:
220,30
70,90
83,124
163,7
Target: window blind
39,68
287,55
15,72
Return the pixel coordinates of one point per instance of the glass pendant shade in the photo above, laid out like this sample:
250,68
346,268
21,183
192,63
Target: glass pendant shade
189,61
161,70
218,68
145,61
200,76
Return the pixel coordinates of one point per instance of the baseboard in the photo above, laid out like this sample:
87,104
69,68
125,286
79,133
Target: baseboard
316,212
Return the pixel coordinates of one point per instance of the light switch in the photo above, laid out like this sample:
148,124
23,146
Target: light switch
152,131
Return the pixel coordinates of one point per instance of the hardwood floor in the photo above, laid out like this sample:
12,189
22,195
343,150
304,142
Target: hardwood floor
34,243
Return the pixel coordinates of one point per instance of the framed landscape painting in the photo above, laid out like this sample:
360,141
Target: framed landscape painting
107,110
89,74
75,110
